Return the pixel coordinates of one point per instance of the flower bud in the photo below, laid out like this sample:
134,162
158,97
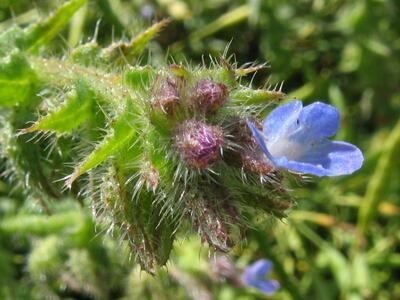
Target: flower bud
167,95
252,157
255,161
224,269
208,96
198,143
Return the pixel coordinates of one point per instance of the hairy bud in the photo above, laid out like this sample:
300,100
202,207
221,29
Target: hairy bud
208,96
198,143
224,269
255,161
167,95
252,157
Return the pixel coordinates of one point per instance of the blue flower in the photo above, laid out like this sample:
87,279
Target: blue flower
255,276
296,138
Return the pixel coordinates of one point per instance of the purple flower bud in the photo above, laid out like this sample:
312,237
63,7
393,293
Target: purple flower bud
199,144
255,161
167,95
224,269
208,96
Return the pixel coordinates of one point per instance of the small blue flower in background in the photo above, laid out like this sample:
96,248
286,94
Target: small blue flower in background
255,276
296,138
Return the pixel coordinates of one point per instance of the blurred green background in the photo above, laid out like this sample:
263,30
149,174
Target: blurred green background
341,241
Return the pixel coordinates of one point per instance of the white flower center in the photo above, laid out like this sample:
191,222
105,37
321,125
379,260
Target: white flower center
289,148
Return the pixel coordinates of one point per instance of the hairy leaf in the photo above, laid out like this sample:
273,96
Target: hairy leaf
250,96
77,109
16,80
123,133
130,51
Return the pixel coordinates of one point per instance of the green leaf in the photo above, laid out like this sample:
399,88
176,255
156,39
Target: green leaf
44,31
249,96
139,78
76,26
77,109
130,51
223,74
41,224
228,19
164,237
351,58
16,80
124,133
24,158
179,71
339,266
8,39
86,54
361,272
46,257
160,229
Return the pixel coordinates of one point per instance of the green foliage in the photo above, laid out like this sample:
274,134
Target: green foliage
17,80
41,33
129,52
78,108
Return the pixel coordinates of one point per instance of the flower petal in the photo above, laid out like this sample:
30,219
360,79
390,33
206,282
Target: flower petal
282,119
325,159
258,269
266,286
317,121
260,139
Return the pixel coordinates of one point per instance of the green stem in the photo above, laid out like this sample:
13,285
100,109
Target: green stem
62,73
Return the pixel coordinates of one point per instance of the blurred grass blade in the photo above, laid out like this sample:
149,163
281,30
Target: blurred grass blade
303,92
360,272
76,26
110,16
377,185
44,31
321,219
287,281
139,43
24,18
228,19
42,224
